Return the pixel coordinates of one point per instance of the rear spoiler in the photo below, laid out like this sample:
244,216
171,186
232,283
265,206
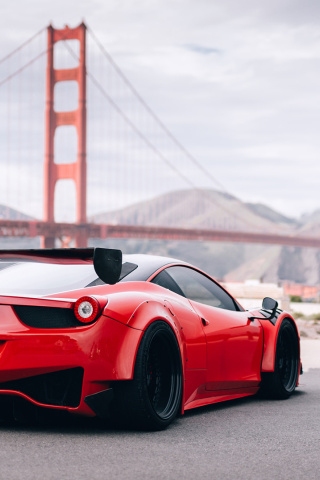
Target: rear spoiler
107,262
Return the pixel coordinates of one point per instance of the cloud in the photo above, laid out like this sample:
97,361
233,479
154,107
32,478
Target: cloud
201,49
235,82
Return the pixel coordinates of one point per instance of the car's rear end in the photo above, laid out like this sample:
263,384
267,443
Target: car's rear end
59,353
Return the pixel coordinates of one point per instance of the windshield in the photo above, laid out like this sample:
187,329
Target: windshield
31,278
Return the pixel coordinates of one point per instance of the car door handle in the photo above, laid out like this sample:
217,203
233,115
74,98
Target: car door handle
205,322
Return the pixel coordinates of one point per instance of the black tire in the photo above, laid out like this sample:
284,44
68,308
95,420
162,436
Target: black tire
152,400
282,382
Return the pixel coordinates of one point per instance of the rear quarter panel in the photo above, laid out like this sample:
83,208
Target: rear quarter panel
154,303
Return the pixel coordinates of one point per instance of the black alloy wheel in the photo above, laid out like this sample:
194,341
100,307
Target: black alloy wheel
283,381
153,398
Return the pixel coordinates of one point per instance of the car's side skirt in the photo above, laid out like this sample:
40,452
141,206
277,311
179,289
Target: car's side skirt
220,396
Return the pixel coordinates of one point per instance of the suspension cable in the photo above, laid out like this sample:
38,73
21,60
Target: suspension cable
26,65
130,123
12,75
97,84
22,45
153,114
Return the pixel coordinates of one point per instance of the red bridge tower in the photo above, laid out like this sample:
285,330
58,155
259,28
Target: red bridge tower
77,171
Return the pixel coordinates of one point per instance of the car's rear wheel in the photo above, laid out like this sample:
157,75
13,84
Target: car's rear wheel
153,398
282,382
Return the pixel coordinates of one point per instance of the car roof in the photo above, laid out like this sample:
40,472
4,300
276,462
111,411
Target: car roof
147,265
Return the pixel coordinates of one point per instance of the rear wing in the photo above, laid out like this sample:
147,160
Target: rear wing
107,262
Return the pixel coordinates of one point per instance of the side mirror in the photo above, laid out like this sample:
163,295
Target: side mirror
269,304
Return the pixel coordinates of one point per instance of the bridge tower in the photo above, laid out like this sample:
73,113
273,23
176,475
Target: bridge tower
77,171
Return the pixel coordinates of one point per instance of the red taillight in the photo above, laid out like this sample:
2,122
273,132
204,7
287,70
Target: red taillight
86,309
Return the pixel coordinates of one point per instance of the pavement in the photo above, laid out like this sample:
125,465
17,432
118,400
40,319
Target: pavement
310,353
244,439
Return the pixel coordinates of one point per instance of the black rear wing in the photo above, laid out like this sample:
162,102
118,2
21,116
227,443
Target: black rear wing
107,262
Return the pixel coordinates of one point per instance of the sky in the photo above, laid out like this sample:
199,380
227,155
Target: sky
237,83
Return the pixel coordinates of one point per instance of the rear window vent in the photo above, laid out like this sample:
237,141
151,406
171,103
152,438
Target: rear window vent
46,317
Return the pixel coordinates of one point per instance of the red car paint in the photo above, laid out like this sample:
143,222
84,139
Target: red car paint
223,352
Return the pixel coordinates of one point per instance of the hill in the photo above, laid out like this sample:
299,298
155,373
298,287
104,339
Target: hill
12,214
207,209
211,209
16,242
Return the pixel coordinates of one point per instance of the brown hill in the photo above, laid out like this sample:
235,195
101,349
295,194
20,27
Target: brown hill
9,213
212,209
207,209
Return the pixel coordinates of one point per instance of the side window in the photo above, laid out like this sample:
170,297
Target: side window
196,286
165,280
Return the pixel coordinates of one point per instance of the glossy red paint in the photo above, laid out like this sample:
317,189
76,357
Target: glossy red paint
105,350
270,340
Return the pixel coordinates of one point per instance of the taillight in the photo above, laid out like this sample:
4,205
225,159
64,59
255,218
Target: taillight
86,309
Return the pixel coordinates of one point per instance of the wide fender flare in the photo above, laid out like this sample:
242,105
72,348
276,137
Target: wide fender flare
270,334
151,311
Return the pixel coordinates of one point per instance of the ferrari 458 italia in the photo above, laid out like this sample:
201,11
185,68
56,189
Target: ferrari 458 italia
138,339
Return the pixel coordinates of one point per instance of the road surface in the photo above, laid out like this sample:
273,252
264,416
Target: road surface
245,439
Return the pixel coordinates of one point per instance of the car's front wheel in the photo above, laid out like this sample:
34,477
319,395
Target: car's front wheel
282,382
153,398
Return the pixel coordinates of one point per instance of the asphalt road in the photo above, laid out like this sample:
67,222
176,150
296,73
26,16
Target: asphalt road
245,439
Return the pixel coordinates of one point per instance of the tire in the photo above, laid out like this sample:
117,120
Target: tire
281,383
152,400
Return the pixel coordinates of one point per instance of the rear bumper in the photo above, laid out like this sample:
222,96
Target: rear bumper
60,368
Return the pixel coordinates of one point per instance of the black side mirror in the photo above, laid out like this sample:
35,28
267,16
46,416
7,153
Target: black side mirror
269,304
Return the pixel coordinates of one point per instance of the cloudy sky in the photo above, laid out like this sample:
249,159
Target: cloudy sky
236,82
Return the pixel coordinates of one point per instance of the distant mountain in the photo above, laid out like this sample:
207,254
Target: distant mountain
309,218
8,213
210,209
272,215
207,209
310,224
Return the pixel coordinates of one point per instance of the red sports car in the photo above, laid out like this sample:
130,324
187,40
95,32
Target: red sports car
140,339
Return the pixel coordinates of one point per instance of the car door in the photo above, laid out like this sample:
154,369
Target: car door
192,329
234,343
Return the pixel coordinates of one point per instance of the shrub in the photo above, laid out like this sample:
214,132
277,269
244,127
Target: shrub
303,334
295,298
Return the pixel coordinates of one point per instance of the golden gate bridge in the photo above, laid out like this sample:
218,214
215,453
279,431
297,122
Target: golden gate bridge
141,151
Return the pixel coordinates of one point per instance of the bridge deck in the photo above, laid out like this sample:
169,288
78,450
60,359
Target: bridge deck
20,228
